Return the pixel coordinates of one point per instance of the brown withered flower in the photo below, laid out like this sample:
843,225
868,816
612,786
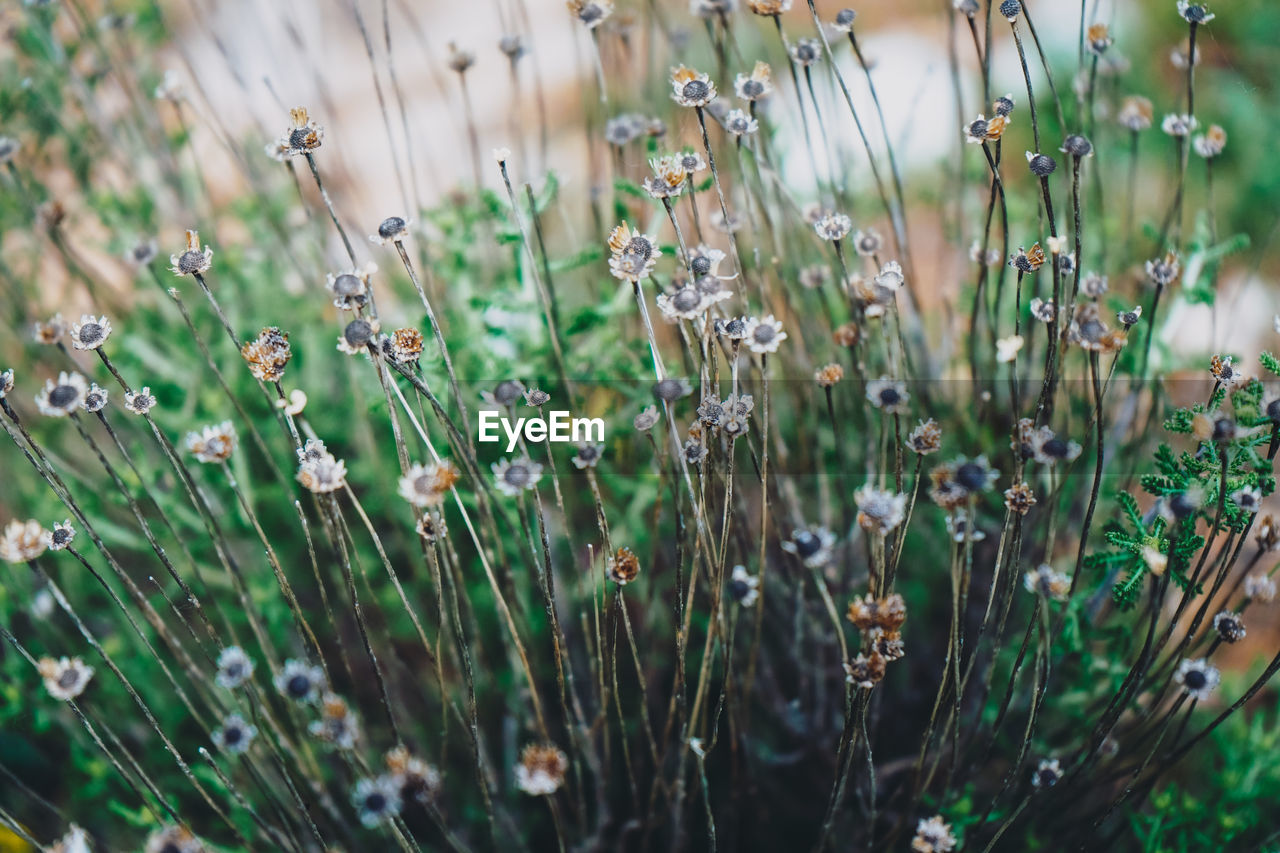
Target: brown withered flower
267,354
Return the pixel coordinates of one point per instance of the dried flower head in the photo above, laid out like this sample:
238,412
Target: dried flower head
302,136
883,614
350,289
337,726
391,230
1178,125
983,129
1027,260
192,261
590,13
769,8
622,567
588,455
646,419
865,671
1259,587
1211,143
357,335
61,398
427,485
739,123
90,333
691,88
1164,271
541,770
62,535
1136,113
805,52
632,255
139,402
1194,13
1098,39
833,226
95,399
926,438
174,839
319,470
1230,626
933,835
50,331
268,354
1019,498
955,481
403,346
1046,774
23,541
888,395
879,511
828,375
64,678
213,443
754,86
1041,165
1045,581
1089,332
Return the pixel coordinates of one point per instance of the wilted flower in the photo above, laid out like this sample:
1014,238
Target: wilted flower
212,443
62,535
828,375
1230,626
337,725
983,129
588,455
691,88
888,395
756,85
1164,271
1047,582
1089,332
64,678
1259,587
319,471
415,780
833,226
391,230
1136,113
1210,144
192,261
303,136
933,835
268,354
427,485
865,671
541,769
1098,39
1048,449
1178,125
1007,349
622,567
358,335
879,511
403,346
139,402
955,481
633,255
1019,498
1046,774
1194,13
739,123
23,541
926,438
350,289
50,331
1225,371
1027,260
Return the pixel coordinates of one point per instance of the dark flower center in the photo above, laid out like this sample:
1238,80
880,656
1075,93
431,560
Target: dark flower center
686,299
1195,679
978,129
807,544
61,536
390,227
1055,448
696,90
298,686
971,476
348,285
90,333
1273,411
806,54
700,265
63,396
191,261
639,246
1003,106
1195,14
358,333
375,802
890,397
68,679
300,138
845,17
765,333
753,88
517,475
232,736
507,392
739,589
668,389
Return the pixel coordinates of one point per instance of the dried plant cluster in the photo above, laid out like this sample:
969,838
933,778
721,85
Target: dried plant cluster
902,536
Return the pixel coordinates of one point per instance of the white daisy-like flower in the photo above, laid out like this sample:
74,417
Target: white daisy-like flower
756,85
91,332
235,667
691,88
319,471
95,399
833,226
684,303
515,476
212,444
812,545
378,800
426,485
64,678
139,402
62,535
23,541
744,586
1045,581
235,736
300,681
1198,678
764,334
61,398
888,395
